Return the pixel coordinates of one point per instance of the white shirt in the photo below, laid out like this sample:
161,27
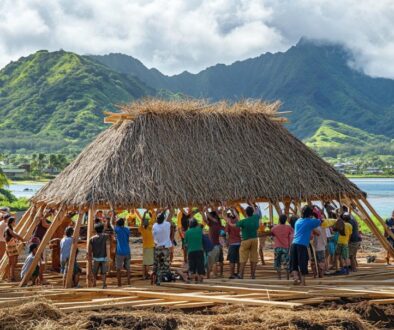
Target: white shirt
161,234
3,227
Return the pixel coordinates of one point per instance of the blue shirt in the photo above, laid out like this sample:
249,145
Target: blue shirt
65,248
122,241
303,230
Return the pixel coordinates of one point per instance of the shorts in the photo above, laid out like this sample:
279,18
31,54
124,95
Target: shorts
219,257
211,257
320,256
122,262
101,266
342,251
148,256
332,246
281,258
196,262
233,254
63,266
299,258
249,250
353,248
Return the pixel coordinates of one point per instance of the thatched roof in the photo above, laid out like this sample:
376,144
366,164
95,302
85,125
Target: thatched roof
160,153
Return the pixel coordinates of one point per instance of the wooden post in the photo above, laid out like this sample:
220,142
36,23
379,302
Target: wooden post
271,213
54,225
24,220
73,252
89,235
25,232
287,207
382,222
371,225
277,208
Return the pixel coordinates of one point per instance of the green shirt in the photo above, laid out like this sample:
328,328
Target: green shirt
249,227
193,239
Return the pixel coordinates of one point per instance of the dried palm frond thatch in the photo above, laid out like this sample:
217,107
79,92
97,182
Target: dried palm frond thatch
180,153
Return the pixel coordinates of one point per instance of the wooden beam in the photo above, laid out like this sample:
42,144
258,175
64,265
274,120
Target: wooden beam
89,236
271,214
73,252
382,222
48,234
367,219
26,234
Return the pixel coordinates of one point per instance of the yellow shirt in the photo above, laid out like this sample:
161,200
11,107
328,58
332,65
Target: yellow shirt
146,233
147,236
344,239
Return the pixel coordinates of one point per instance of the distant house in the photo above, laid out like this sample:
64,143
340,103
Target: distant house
373,170
15,173
340,167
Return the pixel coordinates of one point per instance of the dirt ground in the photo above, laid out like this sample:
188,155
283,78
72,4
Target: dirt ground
343,314
352,316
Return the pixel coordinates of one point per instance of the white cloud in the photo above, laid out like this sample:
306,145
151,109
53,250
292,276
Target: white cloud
192,34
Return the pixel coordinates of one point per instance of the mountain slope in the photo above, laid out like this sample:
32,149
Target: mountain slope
56,100
312,80
337,140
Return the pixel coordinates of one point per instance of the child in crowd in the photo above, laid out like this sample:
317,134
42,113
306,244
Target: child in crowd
319,244
345,231
148,244
282,234
98,253
29,260
65,251
209,258
195,253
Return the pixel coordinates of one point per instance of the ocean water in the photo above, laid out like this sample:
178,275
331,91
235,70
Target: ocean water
380,192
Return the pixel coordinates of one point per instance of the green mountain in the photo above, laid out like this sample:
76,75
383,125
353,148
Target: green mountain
312,80
51,101
336,140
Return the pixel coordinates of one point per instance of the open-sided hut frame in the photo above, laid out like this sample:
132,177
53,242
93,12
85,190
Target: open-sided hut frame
175,154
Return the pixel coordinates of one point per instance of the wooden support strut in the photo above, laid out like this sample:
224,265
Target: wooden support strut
271,213
26,231
382,222
363,214
73,252
52,228
89,236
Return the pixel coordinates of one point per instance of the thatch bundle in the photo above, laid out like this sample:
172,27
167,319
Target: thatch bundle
161,153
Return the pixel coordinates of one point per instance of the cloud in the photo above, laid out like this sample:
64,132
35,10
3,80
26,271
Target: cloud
191,35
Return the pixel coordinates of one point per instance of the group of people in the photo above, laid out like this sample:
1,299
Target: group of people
319,240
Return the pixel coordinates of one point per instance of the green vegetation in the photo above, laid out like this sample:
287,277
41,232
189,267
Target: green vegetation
340,143
53,102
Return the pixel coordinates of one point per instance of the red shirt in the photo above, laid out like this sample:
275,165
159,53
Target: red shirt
214,231
282,236
234,233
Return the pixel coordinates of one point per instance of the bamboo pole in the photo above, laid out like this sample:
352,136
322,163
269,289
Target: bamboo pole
382,222
23,221
89,236
367,219
277,208
54,225
271,213
25,233
73,252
